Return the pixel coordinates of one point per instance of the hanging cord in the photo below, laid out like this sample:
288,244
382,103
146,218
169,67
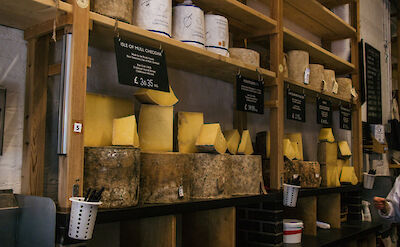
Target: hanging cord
54,36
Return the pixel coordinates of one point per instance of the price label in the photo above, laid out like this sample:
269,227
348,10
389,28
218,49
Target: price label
324,112
141,66
249,95
295,106
345,117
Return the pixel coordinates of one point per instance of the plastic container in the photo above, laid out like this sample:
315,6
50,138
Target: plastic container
290,193
217,34
292,230
82,219
369,180
188,24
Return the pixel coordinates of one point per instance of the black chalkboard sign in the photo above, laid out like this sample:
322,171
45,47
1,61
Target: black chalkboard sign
249,95
345,117
373,84
295,106
324,111
141,66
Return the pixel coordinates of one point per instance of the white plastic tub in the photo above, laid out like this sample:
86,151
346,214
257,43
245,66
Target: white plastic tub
369,180
292,230
82,219
290,193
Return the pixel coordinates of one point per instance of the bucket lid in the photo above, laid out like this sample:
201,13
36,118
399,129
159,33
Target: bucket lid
292,223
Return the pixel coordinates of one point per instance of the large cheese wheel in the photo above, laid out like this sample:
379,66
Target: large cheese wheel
327,153
245,55
162,175
120,9
345,86
329,80
316,76
246,174
189,125
117,169
298,62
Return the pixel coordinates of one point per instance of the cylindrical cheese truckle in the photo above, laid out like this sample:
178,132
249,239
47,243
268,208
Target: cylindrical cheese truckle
188,24
298,62
120,9
246,174
245,55
210,176
316,76
345,86
217,34
153,15
329,81
117,169
163,177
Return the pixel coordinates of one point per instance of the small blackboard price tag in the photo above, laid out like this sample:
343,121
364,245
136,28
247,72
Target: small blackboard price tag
249,95
141,66
295,106
345,117
324,111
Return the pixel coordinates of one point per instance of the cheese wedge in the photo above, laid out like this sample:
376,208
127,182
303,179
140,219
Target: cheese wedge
327,153
100,111
189,125
125,132
326,135
288,149
232,139
348,175
297,139
156,97
330,176
344,150
245,146
211,139
156,128
295,150
341,163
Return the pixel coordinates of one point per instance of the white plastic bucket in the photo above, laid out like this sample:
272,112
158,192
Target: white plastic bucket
369,180
188,24
290,193
153,15
292,230
217,34
82,219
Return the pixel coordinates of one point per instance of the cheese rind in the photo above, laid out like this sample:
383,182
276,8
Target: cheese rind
156,97
156,128
326,135
189,125
344,150
245,146
296,138
232,139
100,111
125,132
211,139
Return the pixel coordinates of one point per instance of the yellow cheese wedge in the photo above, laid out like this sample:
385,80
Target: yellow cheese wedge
288,149
327,153
125,132
344,150
295,150
245,146
326,135
330,176
340,163
100,111
232,139
298,140
211,139
348,175
156,97
189,125
156,128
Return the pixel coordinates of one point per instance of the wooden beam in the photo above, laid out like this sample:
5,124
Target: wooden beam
35,117
47,27
328,209
276,121
55,69
271,104
71,165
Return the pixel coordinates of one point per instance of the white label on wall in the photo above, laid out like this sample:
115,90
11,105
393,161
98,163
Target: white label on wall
78,127
307,76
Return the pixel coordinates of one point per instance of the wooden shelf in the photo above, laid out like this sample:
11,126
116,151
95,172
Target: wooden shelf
179,55
319,20
293,41
240,16
22,14
314,91
335,3
325,190
394,166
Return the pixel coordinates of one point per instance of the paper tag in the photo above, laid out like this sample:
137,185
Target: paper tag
335,87
295,176
78,127
324,86
354,92
180,192
307,76
317,175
